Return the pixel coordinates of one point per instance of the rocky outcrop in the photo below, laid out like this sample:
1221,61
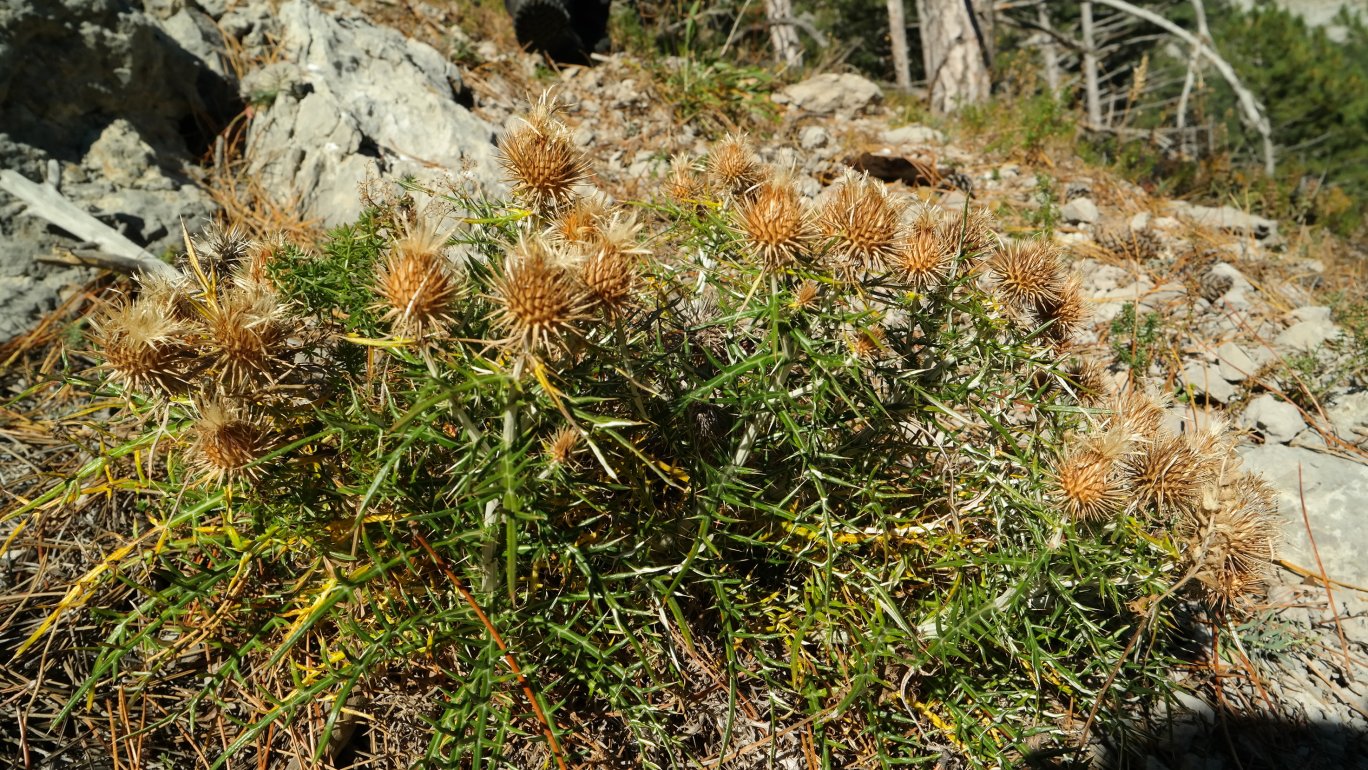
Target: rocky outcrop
350,100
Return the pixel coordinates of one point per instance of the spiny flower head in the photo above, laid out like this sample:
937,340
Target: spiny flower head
144,347
222,247
922,260
540,159
806,295
685,185
867,344
971,234
1088,378
865,225
776,224
1136,412
1066,313
580,222
563,446
1168,474
1090,484
539,300
415,282
609,270
1027,274
173,295
227,439
1233,539
733,166
247,334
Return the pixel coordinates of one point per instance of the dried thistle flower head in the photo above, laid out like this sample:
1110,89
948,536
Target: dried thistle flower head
1027,274
865,225
173,295
972,234
144,347
777,226
1090,485
222,247
806,295
1232,544
563,446
609,271
733,167
867,344
1088,378
227,439
1168,475
1136,412
685,185
1066,313
923,260
539,300
580,222
540,159
415,282
247,334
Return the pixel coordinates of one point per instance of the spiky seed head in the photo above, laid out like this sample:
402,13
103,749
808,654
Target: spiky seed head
415,282
1027,274
248,337
734,168
1088,378
144,347
777,226
222,247
865,226
806,295
174,295
922,260
1066,313
867,344
685,185
563,446
609,271
1168,475
541,160
1136,412
1232,544
539,300
972,235
580,222
227,439
1088,478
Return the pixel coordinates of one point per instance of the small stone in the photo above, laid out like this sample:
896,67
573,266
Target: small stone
922,135
1312,314
1161,296
1140,221
1236,365
1349,414
1309,439
1080,211
813,137
1278,421
1206,380
1226,218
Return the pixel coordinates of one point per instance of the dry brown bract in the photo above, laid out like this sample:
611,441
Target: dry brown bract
416,283
247,337
539,300
685,185
1090,484
541,160
1169,474
609,271
1232,542
1027,273
733,166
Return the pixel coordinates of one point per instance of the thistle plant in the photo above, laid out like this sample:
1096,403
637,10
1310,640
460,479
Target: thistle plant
716,479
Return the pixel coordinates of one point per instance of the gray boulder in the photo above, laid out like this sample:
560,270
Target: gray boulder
1334,490
351,100
1278,421
830,92
1226,218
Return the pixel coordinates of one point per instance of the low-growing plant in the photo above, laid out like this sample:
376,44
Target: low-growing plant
1135,339
722,479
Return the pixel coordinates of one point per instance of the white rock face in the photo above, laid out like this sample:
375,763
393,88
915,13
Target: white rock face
1278,421
916,135
1226,218
1080,211
1335,490
355,100
831,93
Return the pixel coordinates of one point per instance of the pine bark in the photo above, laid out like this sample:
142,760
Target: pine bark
783,34
956,38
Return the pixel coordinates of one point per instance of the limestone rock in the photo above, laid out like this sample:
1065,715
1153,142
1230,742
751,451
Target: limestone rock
1206,380
1235,364
1080,211
1335,489
368,101
1226,218
1278,421
917,135
831,92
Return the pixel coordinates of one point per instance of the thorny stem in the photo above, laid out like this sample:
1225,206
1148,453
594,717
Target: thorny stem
493,515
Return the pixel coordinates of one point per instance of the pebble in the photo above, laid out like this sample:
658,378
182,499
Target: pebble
1278,421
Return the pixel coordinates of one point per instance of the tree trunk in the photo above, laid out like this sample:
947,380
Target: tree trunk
897,36
1094,100
956,36
783,34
